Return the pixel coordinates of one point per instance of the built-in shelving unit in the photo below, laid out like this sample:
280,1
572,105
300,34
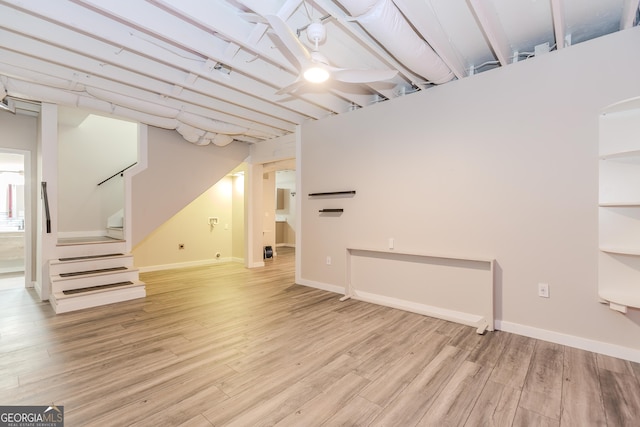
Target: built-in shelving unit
619,210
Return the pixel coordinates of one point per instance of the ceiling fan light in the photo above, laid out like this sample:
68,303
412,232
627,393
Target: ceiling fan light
316,75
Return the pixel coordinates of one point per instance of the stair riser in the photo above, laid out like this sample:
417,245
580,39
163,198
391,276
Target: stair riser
57,267
115,233
59,284
67,251
64,305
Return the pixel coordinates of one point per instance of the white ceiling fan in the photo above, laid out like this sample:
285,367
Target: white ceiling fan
313,65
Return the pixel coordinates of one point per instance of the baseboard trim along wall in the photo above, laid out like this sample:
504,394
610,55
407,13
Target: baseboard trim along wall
200,263
607,349
600,347
323,286
426,310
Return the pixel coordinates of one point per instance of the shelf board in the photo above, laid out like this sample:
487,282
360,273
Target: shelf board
619,204
334,193
620,251
621,299
620,155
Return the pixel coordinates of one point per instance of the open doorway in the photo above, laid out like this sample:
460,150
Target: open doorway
285,215
12,220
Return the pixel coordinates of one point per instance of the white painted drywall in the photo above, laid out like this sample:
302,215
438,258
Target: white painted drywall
190,227
177,172
499,165
88,154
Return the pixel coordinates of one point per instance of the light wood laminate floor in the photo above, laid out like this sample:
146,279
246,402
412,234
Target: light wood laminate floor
223,345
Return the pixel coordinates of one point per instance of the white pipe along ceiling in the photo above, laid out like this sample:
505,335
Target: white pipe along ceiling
232,70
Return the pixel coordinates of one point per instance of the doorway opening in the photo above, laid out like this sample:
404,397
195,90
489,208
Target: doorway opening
12,220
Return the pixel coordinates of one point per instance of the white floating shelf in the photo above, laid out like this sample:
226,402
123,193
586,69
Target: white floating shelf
620,251
619,299
619,204
620,155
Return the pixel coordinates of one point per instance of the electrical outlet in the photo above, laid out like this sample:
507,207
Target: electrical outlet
543,290
180,246
328,260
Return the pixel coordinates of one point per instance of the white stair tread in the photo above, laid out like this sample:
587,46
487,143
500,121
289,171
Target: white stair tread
73,241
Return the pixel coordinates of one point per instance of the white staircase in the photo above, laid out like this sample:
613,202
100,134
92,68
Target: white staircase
92,272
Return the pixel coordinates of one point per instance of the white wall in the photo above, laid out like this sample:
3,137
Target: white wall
269,208
88,154
177,172
190,227
500,165
237,208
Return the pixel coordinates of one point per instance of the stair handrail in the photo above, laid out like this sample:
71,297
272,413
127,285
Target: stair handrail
45,199
117,173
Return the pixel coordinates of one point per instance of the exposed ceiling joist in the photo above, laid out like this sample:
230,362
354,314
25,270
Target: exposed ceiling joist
492,28
203,67
427,24
559,25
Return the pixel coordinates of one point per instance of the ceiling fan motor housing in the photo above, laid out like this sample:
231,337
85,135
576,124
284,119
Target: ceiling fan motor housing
316,33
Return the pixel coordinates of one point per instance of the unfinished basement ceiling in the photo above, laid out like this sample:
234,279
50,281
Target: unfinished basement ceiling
212,69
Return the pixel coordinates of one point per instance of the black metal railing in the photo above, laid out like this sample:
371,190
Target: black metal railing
45,199
121,172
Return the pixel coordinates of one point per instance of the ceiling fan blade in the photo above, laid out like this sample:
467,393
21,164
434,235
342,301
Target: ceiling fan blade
289,39
362,76
292,87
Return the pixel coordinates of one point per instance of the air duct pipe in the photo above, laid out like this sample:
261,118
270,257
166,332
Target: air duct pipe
194,128
384,21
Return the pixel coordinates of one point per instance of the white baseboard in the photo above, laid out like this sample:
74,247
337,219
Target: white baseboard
200,263
424,309
323,286
607,349
256,264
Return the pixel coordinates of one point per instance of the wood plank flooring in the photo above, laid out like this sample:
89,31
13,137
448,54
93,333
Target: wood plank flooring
227,346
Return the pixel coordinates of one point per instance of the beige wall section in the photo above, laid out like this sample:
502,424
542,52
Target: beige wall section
499,165
238,244
89,153
269,208
190,227
177,172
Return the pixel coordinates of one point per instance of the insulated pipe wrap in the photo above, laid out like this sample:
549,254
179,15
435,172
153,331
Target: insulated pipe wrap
383,20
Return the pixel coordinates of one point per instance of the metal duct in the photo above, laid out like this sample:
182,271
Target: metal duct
384,21
204,132
210,125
